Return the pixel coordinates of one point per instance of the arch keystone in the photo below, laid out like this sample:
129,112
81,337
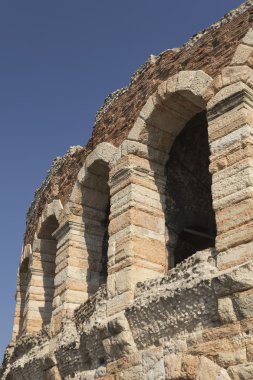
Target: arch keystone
103,152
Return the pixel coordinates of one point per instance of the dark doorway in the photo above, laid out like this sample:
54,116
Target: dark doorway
190,217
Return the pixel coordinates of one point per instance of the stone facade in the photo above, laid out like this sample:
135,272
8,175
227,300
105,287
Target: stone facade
137,259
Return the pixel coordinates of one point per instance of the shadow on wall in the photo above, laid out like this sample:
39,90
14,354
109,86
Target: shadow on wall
96,211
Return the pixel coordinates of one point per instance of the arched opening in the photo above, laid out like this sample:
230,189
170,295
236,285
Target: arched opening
190,218
96,211
48,248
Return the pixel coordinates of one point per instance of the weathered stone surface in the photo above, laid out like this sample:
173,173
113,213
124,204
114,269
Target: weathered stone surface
235,280
137,261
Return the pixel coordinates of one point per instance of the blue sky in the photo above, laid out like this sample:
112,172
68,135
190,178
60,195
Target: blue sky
59,59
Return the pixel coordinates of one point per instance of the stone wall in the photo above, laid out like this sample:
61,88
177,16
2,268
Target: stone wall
194,323
99,295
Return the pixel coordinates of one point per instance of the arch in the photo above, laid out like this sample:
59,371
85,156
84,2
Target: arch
167,111
172,120
95,200
138,237
51,210
82,235
41,288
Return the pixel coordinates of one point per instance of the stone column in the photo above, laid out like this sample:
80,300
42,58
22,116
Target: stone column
40,293
20,305
22,292
78,262
230,120
71,288
137,247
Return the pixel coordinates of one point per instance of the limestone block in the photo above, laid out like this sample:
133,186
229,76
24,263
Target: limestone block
233,74
242,55
53,374
111,285
172,364
93,197
209,370
194,81
148,109
224,351
103,152
224,142
227,92
137,129
52,209
248,38
119,303
75,296
233,198
249,350
243,304
140,193
124,281
153,364
225,331
228,122
159,133
142,150
234,281
171,84
233,357
237,236
233,182
150,249
226,311
129,368
234,216
189,366
120,342
137,218
241,372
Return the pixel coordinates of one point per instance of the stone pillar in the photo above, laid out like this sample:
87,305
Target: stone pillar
137,246
23,279
41,285
78,263
72,274
17,313
20,305
230,120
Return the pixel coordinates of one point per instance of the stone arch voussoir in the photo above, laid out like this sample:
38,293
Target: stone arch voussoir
176,100
244,52
240,68
54,208
103,153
